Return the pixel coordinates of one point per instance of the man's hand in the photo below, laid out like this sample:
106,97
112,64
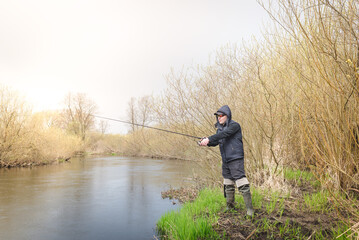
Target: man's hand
204,142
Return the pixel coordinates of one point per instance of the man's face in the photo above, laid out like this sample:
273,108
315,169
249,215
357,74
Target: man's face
222,119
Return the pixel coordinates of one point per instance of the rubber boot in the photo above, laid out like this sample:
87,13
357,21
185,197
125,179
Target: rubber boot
229,190
246,193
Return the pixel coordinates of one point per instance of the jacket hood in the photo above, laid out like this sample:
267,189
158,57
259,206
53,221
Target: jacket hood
226,110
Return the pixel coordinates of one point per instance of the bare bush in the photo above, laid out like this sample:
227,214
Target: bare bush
52,142
13,133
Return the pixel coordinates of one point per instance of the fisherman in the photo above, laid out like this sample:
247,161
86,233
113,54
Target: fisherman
229,138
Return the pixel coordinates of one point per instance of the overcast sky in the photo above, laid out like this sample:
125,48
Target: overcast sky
113,50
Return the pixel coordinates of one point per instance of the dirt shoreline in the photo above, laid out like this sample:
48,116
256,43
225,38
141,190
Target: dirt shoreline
25,164
30,164
237,226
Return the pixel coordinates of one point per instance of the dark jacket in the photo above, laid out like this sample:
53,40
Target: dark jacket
228,136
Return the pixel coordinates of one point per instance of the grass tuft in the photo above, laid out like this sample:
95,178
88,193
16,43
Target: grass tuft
317,202
301,177
195,219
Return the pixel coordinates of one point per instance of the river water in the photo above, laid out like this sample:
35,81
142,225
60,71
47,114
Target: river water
93,198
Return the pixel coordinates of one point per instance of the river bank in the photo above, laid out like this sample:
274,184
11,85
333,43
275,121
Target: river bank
25,164
32,163
310,213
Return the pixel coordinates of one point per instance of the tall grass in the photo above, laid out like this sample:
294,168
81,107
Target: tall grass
317,202
344,232
301,177
194,220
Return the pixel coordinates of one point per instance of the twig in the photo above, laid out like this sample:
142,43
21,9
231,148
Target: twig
260,214
250,235
311,235
352,228
354,189
238,234
224,226
278,220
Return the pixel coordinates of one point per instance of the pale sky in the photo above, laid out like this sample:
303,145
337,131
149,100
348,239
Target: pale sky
113,50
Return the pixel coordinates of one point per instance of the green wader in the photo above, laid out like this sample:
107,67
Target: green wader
246,193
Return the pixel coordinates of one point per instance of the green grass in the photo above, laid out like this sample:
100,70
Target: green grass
194,220
275,230
301,177
271,205
284,228
274,205
317,202
340,233
343,232
257,199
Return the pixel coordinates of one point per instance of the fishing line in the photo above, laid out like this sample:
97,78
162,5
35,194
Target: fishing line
141,125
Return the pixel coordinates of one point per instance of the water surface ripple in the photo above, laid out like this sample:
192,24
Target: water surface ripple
93,198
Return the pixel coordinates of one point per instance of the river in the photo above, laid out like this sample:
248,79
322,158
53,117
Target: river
91,198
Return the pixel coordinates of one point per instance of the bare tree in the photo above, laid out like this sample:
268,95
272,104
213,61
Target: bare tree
139,112
132,113
13,118
144,108
103,125
78,114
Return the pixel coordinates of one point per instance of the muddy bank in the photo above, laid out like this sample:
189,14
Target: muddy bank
25,164
28,163
292,222
269,226
182,194
18,163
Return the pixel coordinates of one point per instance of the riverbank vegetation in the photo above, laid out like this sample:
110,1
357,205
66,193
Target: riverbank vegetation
296,96
308,213
28,139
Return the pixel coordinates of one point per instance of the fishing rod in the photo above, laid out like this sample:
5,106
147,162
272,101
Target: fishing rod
141,125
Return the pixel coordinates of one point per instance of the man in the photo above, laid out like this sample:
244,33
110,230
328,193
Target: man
229,138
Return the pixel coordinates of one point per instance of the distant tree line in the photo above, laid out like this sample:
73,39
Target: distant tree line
28,138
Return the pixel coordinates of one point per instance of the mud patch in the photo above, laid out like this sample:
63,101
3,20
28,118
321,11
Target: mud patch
291,224
182,194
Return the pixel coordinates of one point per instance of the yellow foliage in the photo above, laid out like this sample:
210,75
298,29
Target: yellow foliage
55,144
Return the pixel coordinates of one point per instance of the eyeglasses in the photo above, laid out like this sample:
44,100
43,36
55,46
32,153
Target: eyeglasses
220,115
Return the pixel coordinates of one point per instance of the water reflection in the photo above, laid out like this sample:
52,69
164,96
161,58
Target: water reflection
94,198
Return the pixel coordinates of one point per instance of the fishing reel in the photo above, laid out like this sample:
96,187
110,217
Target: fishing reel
199,142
